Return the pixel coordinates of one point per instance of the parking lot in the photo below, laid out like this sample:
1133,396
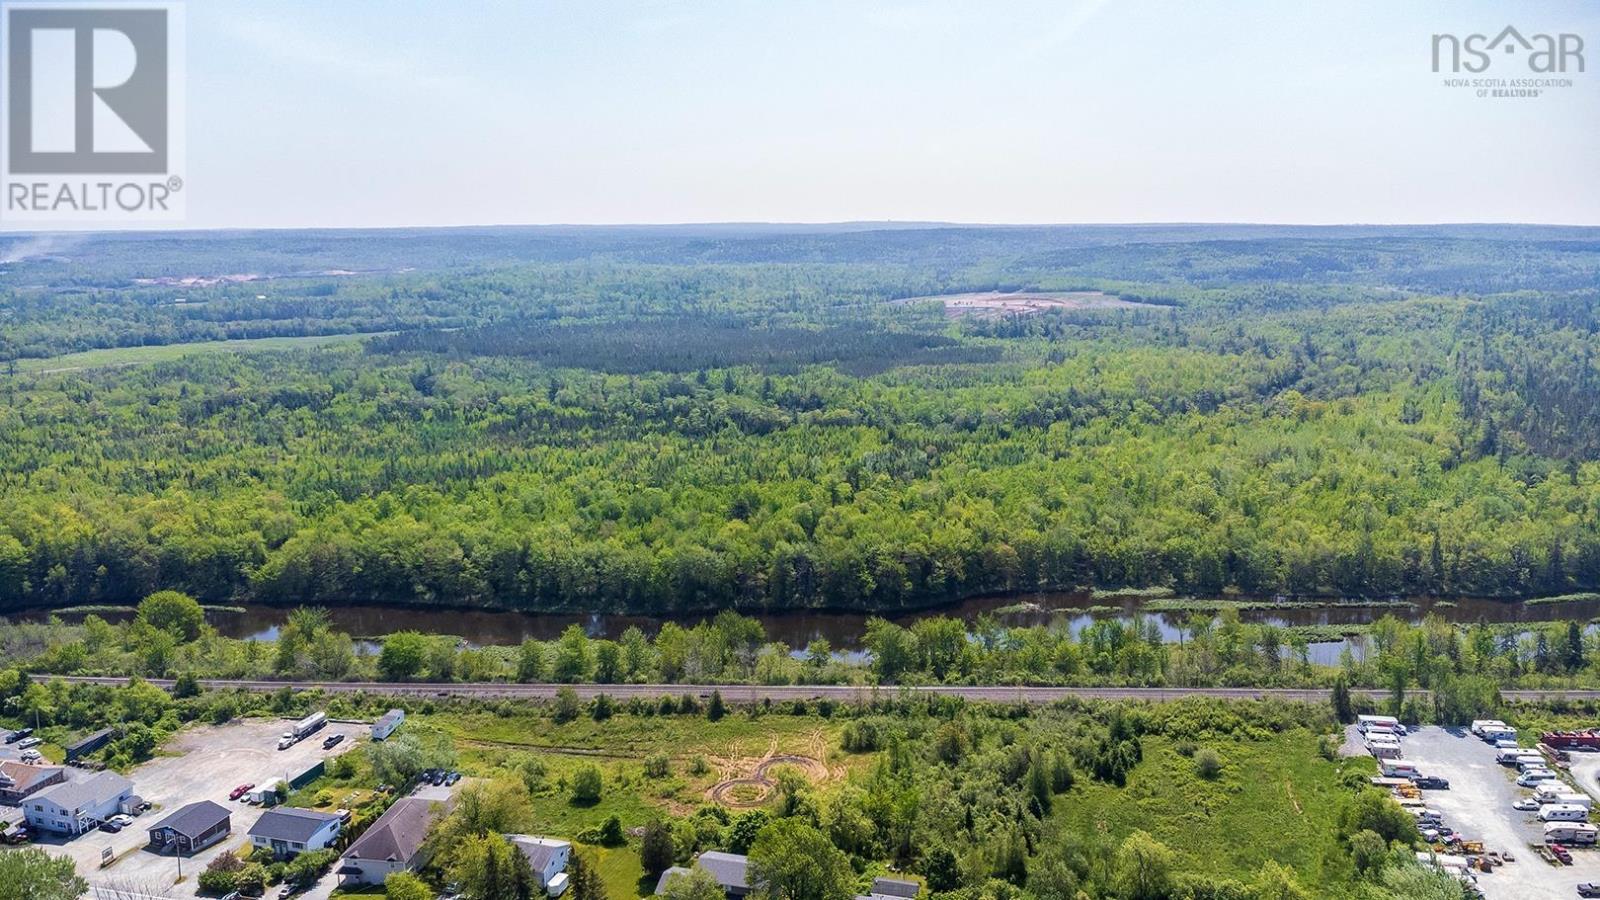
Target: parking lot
202,762
1478,805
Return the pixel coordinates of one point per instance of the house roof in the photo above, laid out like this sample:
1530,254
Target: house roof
77,794
21,777
538,850
286,823
727,868
195,819
398,833
896,887
668,875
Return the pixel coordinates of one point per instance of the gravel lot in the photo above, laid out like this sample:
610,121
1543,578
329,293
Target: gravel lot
1478,804
200,763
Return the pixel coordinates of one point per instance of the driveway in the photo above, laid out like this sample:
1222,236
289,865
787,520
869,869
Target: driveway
202,762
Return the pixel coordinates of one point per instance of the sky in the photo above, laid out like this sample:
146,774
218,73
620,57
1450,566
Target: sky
424,113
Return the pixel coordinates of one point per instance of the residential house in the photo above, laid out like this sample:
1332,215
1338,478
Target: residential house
191,829
74,807
392,844
548,859
18,780
288,831
729,869
387,723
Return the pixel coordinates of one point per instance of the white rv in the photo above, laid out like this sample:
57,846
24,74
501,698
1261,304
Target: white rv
1581,833
1563,812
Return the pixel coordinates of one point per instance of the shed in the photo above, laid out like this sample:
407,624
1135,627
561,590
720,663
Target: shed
90,743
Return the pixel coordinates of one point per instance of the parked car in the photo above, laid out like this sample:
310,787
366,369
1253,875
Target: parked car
438,777
452,778
1431,782
1526,804
1589,889
240,791
123,820
16,834
18,735
1561,853
110,826
31,756
331,741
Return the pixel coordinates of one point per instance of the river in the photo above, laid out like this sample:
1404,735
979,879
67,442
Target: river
843,630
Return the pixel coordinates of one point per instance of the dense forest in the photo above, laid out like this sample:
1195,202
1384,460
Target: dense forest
680,420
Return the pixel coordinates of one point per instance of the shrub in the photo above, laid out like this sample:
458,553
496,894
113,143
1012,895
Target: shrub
1207,764
657,765
586,786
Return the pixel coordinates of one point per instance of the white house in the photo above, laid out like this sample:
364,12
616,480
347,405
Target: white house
547,857
74,807
288,831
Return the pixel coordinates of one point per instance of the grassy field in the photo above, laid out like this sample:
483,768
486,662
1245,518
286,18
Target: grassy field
701,754
1275,799
129,356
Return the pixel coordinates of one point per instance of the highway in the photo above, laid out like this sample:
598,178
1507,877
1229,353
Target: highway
750,693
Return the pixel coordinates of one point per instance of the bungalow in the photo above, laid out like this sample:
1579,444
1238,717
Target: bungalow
18,780
392,844
729,869
288,831
548,859
74,807
191,829
387,723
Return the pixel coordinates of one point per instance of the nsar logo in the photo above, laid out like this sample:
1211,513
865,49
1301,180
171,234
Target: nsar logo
1545,54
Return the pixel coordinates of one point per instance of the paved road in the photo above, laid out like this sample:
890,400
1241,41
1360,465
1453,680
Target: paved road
745,693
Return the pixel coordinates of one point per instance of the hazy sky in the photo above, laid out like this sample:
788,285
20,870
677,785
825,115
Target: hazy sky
390,113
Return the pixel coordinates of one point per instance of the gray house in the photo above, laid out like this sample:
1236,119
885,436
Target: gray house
892,889
729,869
392,844
288,831
191,829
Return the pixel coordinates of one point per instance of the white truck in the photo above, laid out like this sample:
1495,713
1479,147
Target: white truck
1393,769
302,729
1386,723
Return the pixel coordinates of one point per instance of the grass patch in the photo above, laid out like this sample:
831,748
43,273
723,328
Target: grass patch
1564,598
620,870
1274,799
132,356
